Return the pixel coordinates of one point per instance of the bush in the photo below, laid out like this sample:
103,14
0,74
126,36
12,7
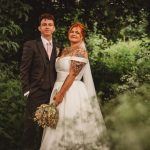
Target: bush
11,117
140,74
110,61
127,119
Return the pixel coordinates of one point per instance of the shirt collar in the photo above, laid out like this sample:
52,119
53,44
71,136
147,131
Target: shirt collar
45,41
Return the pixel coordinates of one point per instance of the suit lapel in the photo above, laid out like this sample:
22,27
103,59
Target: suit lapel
42,50
53,51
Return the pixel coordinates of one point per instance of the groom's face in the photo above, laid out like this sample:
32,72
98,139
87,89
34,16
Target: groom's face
46,27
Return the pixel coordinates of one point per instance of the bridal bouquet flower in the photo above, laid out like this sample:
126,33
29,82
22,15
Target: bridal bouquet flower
47,115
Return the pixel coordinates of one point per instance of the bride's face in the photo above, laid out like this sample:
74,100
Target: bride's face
75,35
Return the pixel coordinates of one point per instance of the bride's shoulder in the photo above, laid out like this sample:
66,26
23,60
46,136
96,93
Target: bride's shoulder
78,52
81,52
65,50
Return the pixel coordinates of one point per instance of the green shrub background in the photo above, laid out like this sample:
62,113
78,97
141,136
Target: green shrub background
119,53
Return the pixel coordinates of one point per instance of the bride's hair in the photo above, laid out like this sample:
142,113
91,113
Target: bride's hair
82,28
80,25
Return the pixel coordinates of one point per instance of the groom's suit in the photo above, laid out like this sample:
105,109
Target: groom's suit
38,76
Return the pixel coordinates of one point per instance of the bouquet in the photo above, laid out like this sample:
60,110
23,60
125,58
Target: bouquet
47,115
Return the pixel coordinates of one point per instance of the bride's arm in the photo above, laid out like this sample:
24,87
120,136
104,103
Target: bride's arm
75,68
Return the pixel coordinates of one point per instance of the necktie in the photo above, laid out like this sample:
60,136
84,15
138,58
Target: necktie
49,50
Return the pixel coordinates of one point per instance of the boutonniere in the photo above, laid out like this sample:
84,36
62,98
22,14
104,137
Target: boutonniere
57,51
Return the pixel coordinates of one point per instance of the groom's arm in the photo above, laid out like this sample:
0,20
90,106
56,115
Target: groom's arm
25,68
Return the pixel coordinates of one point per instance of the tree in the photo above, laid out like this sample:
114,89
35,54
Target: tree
12,14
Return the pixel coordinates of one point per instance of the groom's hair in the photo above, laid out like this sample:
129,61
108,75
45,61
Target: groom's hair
46,16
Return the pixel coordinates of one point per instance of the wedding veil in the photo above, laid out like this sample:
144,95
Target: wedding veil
88,81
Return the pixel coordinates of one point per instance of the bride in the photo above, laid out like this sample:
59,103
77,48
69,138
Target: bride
80,125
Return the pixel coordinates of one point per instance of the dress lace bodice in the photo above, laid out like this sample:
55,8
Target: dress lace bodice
63,67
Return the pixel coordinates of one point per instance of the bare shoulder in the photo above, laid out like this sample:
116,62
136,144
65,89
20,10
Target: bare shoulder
80,52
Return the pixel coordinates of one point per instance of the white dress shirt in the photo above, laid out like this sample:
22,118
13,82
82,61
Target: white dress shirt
45,42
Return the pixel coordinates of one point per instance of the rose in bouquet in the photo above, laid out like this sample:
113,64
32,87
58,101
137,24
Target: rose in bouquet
47,115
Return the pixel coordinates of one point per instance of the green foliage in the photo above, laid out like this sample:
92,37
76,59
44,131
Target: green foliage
141,72
10,27
111,61
113,15
124,67
11,117
10,19
143,61
12,103
127,119
134,27
118,67
96,43
7,43
63,23
120,57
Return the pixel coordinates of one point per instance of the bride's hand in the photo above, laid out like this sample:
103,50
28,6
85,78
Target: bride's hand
58,98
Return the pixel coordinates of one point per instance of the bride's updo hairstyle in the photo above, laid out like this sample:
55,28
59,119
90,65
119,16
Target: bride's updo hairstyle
80,25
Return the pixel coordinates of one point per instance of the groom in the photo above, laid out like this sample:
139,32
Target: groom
38,75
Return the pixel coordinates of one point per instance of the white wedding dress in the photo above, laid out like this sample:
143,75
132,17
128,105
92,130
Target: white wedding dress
80,127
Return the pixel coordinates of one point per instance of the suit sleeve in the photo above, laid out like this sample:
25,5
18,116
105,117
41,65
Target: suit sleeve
25,68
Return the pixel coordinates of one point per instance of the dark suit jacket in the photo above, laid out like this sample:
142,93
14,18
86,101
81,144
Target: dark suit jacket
33,65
